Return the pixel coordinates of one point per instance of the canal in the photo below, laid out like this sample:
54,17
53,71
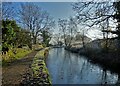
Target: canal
70,68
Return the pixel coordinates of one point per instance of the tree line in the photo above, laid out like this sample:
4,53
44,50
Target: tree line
100,14
92,15
25,25
31,22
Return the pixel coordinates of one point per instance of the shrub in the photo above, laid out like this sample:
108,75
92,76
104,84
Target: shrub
13,54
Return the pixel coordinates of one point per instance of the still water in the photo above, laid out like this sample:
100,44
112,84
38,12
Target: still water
69,68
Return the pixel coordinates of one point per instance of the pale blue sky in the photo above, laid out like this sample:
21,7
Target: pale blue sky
55,9
59,10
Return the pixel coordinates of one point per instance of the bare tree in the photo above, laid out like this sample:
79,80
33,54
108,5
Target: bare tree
68,29
35,19
72,29
62,23
93,13
98,14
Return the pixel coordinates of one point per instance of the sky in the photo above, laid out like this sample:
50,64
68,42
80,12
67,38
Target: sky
60,10
57,10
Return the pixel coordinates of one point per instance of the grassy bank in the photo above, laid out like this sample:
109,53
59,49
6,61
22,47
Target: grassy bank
18,53
39,72
14,54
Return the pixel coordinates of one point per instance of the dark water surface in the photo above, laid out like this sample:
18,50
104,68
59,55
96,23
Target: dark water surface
69,68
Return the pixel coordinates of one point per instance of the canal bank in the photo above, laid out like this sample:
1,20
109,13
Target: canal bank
70,68
37,73
109,60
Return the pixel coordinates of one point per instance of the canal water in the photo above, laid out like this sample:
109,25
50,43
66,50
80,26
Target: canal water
70,68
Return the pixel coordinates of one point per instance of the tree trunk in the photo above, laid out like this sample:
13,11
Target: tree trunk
83,40
34,40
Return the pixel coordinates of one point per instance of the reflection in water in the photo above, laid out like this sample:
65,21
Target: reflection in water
104,77
69,68
118,82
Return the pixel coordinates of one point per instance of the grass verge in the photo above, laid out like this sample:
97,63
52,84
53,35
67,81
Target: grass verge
14,54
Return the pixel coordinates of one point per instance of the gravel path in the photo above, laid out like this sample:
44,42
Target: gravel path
12,74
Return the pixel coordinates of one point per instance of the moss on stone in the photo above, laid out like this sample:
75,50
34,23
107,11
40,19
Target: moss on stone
39,67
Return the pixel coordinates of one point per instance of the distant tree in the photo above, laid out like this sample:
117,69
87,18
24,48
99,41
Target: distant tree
72,29
57,37
46,36
81,37
60,43
62,23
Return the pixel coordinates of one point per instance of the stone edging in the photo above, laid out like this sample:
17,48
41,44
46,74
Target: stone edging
38,73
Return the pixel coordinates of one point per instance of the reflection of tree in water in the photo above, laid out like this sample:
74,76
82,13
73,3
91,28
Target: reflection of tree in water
88,67
69,77
61,69
81,71
104,77
58,51
70,68
84,68
118,81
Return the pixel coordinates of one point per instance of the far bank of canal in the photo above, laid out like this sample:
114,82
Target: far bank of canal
69,68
